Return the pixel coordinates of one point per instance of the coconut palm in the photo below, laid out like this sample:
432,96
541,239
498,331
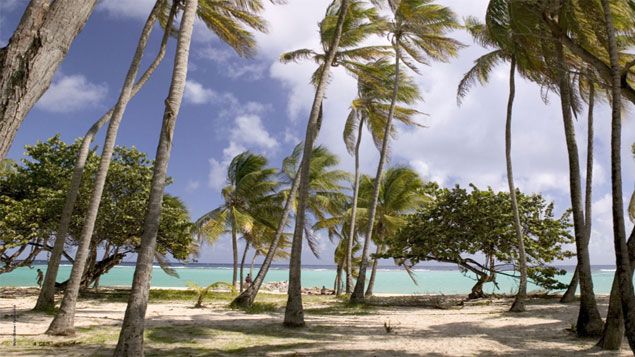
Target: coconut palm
417,33
46,299
250,182
370,108
131,336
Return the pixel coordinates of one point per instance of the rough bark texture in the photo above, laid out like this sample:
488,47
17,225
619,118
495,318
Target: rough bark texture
31,58
294,313
63,323
46,298
351,231
521,296
131,336
614,326
358,293
569,295
373,275
589,322
623,267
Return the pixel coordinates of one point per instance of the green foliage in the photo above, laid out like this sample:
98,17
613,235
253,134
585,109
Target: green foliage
456,224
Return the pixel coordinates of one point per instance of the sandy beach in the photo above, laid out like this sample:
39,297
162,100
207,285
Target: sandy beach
174,328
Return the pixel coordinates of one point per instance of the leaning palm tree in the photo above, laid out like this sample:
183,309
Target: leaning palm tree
250,182
230,20
417,33
370,108
46,299
131,336
63,323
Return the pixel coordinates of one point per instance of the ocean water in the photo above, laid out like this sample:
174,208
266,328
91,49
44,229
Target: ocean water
430,280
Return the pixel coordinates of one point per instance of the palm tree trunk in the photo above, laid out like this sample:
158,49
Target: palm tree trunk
589,322
294,313
242,265
337,285
521,296
131,337
31,58
358,293
623,267
614,326
63,323
46,298
247,297
373,274
569,295
351,231
234,253
251,266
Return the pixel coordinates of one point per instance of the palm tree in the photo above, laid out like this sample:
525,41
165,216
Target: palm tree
294,314
47,293
63,323
400,194
131,336
250,182
624,272
417,34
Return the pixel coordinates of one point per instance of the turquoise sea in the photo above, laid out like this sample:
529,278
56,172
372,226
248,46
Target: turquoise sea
430,279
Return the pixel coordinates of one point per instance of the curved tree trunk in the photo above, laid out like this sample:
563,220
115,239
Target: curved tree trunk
623,267
294,313
131,336
589,322
614,326
251,266
63,323
358,293
247,297
31,58
234,253
373,274
351,231
242,266
521,296
569,295
46,299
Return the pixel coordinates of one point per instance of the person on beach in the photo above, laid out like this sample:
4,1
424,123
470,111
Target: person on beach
40,277
248,280
323,291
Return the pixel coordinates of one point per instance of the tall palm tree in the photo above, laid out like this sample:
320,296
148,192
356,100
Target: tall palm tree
63,323
46,299
370,108
131,336
218,17
417,33
250,182
294,314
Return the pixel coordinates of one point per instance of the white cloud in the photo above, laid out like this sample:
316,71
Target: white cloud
195,93
217,174
135,9
230,65
250,132
72,93
192,186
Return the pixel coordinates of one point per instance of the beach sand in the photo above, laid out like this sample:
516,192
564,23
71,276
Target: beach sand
174,328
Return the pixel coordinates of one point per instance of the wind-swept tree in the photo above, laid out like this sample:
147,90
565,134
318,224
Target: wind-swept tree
417,33
250,182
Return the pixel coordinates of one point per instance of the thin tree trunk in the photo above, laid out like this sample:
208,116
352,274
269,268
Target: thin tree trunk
242,265
131,337
614,326
338,280
251,266
234,253
351,231
589,322
63,323
358,293
31,58
373,274
569,295
247,297
521,296
46,298
294,313
623,267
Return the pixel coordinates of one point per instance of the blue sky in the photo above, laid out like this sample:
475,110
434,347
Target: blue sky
233,104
